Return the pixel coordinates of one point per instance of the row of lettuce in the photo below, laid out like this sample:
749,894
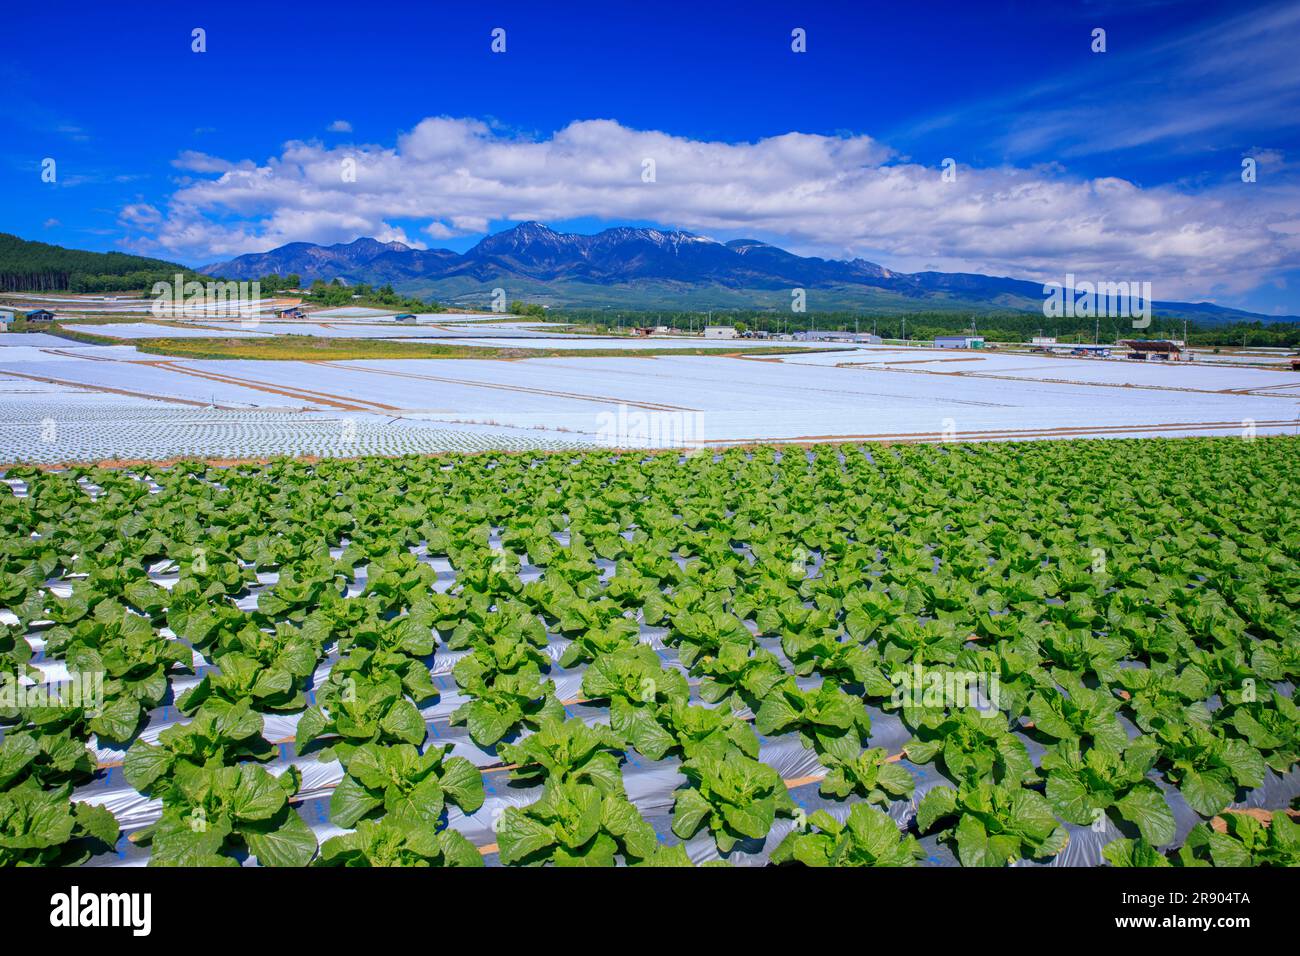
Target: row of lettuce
1133,604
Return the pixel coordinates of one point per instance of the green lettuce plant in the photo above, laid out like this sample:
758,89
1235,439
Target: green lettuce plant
867,837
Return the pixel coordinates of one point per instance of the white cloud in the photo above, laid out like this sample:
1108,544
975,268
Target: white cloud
339,126
139,215
197,162
839,196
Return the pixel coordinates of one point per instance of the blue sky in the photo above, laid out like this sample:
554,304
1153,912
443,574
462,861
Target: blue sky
1125,164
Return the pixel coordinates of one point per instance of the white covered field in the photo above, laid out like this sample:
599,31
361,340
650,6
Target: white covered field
159,330
521,335
71,402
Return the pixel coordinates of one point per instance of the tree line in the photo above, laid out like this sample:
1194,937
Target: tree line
1006,326
27,266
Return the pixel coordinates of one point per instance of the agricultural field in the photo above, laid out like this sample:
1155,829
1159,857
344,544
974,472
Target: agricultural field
529,399
1037,653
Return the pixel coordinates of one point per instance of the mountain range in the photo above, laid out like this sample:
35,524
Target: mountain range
632,268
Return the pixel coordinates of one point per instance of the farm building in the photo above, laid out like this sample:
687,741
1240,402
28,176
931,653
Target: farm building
404,317
6,319
39,315
290,313
1073,348
959,341
833,335
719,332
1159,350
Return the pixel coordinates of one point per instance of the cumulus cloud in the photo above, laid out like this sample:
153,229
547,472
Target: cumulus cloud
842,196
139,215
339,126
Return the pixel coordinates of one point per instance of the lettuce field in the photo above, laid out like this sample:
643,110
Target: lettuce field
1072,653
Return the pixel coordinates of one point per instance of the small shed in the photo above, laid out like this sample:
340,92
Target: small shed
404,317
39,315
719,331
293,312
959,341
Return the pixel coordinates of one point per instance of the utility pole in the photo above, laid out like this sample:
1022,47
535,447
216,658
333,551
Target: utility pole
904,329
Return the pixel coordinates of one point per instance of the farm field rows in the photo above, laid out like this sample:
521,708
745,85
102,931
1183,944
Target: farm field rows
1061,653
1178,375
483,334
860,394
156,330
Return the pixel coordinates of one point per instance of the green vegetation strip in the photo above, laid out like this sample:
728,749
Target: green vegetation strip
324,349
1131,606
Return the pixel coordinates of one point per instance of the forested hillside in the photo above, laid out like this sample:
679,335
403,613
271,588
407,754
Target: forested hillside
27,266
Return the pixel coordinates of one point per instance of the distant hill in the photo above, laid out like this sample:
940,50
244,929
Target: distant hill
653,269
27,266
308,260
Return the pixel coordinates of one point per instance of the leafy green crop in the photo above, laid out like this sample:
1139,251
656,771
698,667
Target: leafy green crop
44,828
996,824
1206,767
133,658
1133,853
411,787
826,717
575,824
868,774
377,843
361,711
1081,786
981,592
220,735
47,751
973,746
1245,841
735,796
211,812
637,688
867,838
568,751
